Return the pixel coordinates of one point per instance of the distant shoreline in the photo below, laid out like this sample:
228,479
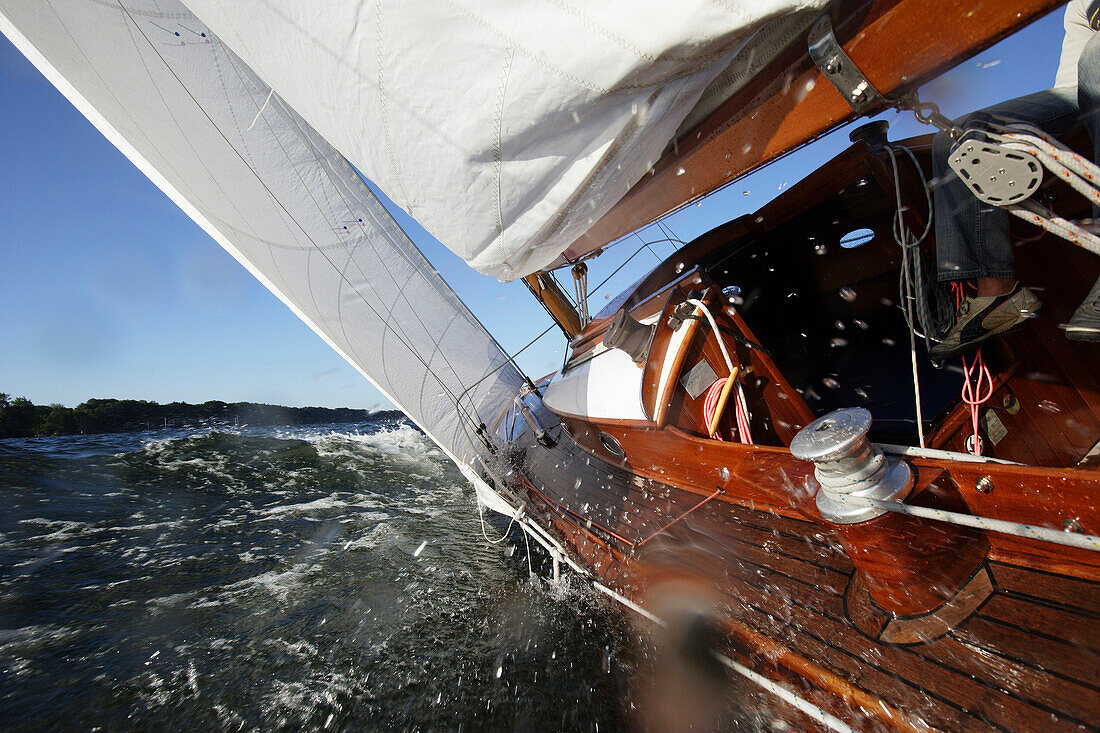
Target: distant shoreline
20,418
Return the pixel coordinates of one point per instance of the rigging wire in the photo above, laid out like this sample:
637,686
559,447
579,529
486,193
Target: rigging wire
637,252
511,359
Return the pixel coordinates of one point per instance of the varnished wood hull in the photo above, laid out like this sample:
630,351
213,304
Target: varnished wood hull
896,623
1018,649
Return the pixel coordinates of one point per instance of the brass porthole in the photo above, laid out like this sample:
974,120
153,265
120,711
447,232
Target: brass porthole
611,445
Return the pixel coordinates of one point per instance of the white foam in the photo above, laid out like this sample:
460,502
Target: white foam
378,535
277,583
331,501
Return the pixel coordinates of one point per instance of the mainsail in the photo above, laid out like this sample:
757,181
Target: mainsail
505,127
262,182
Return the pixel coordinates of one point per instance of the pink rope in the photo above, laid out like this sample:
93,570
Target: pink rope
710,404
977,382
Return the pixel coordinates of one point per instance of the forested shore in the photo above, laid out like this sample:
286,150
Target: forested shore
20,418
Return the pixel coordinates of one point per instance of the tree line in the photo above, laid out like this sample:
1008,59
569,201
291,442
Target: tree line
21,418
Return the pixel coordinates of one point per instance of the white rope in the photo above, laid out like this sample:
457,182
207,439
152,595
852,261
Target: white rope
1080,173
912,280
1017,529
1040,216
717,334
909,450
481,515
809,709
916,377
526,542
743,406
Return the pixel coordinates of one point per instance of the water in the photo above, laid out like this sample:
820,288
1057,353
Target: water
334,577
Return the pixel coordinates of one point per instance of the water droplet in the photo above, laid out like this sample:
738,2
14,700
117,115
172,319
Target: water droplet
830,383
820,249
848,294
420,549
679,267
838,342
724,473
500,671
889,342
680,171
744,193
861,393
1048,406
861,325
839,325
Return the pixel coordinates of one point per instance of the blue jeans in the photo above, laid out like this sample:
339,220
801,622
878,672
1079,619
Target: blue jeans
971,236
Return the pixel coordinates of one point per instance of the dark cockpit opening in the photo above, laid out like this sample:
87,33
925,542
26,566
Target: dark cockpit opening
820,292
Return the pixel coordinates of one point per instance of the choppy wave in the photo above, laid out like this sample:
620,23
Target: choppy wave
332,577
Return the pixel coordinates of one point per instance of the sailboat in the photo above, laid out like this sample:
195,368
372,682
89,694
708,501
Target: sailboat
750,442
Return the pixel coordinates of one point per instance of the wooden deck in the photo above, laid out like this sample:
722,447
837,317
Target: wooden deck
1027,658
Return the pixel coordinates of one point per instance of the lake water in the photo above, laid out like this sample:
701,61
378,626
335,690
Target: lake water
332,577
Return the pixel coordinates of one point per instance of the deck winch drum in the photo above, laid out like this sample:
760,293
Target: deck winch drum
849,467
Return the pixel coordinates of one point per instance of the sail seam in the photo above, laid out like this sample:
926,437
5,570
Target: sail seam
389,325
498,157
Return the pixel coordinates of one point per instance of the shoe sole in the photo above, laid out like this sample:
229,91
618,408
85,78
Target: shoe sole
1081,333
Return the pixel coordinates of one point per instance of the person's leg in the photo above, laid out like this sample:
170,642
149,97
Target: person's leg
1088,90
972,239
1085,323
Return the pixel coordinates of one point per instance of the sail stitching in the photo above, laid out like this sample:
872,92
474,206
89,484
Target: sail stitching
395,328
383,105
131,27
399,290
122,109
365,301
497,132
600,29
702,62
406,254
324,162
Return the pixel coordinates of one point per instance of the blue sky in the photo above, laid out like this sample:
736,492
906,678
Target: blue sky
108,290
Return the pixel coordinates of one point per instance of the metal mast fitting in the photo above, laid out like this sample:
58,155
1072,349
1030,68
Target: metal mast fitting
849,467
839,69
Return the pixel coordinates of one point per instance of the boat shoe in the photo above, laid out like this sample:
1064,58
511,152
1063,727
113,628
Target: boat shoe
980,318
1085,324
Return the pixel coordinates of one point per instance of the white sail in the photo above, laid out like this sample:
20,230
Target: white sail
504,127
195,119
